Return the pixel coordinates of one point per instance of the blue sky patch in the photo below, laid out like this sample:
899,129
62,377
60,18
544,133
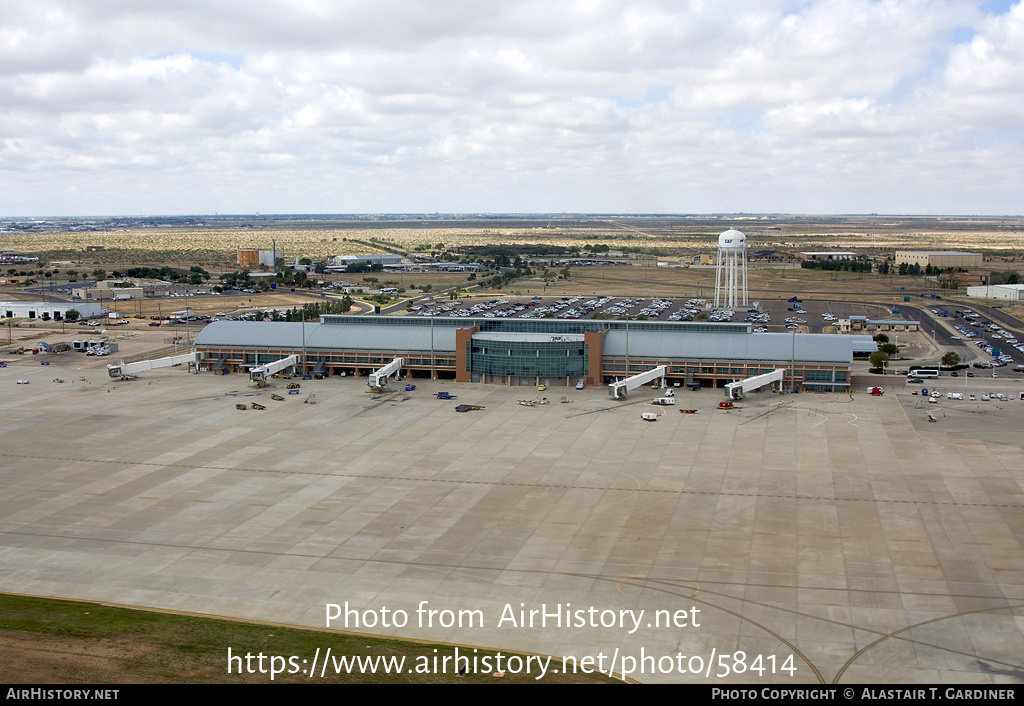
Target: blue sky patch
962,35
216,57
997,7
746,119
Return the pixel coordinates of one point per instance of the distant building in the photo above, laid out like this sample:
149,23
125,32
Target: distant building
863,323
253,257
339,261
938,259
109,289
1004,292
57,311
249,257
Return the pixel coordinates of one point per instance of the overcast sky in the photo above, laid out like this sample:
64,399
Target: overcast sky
634,106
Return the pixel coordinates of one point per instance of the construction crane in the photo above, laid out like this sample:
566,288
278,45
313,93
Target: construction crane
260,374
126,371
619,389
379,378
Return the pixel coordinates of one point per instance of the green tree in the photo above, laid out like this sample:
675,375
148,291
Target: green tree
951,360
878,360
889,349
71,315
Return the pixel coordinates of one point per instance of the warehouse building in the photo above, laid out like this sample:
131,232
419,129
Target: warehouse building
531,352
340,263
57,311
939,259
1003,292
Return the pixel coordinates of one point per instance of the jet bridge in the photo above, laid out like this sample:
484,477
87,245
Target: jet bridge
736,390
261,373
619,389
125,371
379,378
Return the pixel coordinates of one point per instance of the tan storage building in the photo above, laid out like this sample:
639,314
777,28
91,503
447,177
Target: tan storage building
941,259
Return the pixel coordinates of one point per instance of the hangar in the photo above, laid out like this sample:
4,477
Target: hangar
57,311
530,352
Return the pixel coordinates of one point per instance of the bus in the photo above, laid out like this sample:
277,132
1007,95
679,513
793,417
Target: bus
923,373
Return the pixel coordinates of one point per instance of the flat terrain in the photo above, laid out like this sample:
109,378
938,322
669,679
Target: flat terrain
213,242
848,539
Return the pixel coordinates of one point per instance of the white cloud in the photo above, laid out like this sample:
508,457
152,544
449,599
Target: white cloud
850,105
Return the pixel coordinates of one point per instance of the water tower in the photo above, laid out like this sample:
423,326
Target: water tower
731,275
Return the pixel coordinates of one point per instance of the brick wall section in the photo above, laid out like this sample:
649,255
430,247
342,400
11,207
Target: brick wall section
595,341
463,337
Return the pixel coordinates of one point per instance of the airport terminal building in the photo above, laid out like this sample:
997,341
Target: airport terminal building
553,352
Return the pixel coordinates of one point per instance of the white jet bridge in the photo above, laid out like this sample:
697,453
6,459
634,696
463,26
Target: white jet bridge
379,378
736,390
619,389
260,374
125,371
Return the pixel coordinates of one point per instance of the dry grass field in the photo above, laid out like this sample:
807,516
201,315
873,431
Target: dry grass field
215,244
637,240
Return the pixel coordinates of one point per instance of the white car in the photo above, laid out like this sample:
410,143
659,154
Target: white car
22,382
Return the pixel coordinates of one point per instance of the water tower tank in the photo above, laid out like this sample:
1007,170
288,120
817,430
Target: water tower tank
732,240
